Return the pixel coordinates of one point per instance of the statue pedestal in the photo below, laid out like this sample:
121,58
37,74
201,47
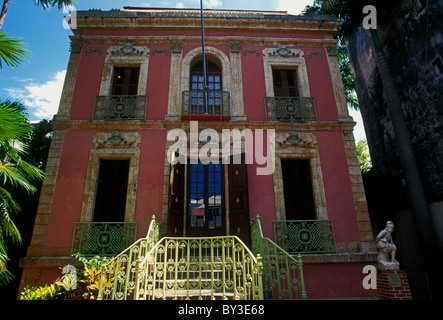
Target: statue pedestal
393,285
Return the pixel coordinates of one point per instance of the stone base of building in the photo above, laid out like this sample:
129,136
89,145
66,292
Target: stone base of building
393,285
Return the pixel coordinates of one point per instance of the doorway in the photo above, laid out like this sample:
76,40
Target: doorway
110,203
205,204
297,185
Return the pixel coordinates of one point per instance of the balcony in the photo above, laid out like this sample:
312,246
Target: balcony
305,236
290,109
103,238
218,105
118,108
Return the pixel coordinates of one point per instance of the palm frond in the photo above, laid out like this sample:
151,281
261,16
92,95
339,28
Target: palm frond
7,226
13,52
13,120
52,3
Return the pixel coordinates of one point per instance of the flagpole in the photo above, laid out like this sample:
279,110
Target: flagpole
205,86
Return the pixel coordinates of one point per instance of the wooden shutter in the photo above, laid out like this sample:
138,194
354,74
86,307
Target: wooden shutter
125,81
238,200
285,83
176,201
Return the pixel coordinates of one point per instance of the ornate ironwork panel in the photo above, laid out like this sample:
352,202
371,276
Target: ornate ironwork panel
117,108
290,109
218,103
199,268
305,236
103,238
282,273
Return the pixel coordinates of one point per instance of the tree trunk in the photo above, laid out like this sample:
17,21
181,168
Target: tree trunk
407,158
3,13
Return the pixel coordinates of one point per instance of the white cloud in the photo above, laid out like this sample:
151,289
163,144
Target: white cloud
42,100
293,6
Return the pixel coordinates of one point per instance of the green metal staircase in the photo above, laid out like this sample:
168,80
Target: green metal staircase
201,268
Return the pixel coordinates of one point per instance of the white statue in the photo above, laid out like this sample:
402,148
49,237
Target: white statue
386,249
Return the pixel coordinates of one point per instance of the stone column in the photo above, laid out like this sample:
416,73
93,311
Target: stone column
174,101
31,272
68,86
237,107
337,83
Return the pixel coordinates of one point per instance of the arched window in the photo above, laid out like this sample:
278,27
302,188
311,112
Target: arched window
213,76
217,101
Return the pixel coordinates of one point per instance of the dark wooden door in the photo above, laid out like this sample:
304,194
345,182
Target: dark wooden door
176,200
238,200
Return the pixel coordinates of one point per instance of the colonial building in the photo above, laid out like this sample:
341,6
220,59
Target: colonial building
139,95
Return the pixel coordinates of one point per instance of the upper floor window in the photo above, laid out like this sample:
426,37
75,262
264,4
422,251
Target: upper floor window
213,76
285,83
125,81
217,101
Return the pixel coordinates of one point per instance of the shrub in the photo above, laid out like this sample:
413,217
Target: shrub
74,284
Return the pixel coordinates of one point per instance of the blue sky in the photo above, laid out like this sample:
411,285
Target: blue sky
38,83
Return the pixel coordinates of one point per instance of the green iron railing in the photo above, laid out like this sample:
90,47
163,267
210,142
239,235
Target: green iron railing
118,276
218,103
120,107
200,268
102,238
282,274
290,109
305,236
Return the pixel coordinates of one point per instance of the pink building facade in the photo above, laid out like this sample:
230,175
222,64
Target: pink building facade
135,75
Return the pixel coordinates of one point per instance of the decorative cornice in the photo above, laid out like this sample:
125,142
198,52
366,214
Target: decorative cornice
256,51
120,140
165,51
99,50
128,49
311,53
296,139
283,51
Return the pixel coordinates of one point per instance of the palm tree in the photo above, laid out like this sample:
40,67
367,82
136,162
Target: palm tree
14,173
351,12
43,3
13,51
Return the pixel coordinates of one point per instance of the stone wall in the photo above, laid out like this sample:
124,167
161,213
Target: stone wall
412,39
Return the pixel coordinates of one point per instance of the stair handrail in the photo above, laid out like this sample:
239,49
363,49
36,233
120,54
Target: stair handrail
277,266
241,273
118,274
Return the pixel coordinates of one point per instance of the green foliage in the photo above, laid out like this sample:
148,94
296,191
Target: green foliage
364,158
347,77
52,3
74,284
15,173
13,51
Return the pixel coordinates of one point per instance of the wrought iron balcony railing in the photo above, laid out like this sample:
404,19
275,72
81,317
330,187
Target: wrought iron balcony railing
218,104
117,108
290,109
305,236
103,238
